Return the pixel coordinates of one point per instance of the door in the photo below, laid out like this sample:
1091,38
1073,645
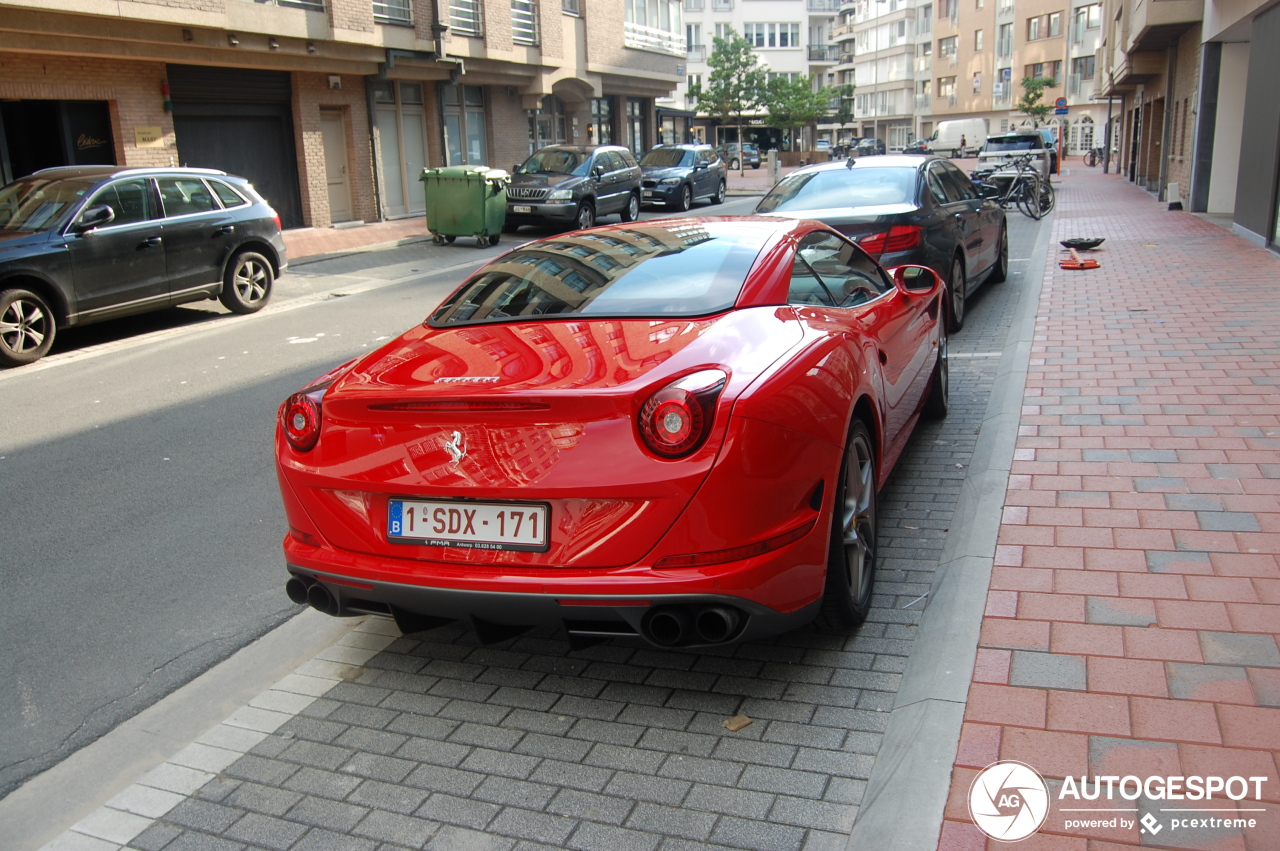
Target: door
981,220
705,178
958,220
122,264
333,132
612,183
197,234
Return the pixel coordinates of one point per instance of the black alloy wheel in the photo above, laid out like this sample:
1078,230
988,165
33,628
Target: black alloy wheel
586,215
939,400
957,286
721,191
631,212
1001,270
851,562
27,327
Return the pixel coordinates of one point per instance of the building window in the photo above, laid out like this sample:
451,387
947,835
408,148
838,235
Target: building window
601,131
392,12
464,17
571,7
1083,67
400,118
524,21
547,124
772,35
654,25
1044,26
722,30
1004,40
977,82
1034,28
637,125
977,40
1047,70
1094,12
947,46
946,87
464,125
1055,24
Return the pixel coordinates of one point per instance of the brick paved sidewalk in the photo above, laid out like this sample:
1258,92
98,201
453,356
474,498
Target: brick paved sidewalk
1132,619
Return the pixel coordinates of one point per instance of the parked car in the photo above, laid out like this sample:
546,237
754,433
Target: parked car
918,146
749,154
1050,142
868,146
572,186
674,430
1003,148
904,209
81,244
677,175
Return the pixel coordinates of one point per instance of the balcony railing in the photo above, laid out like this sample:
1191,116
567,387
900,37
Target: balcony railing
524,21
722,5
1002,102
924,63
824,5
697,52
951,99
392,12
693,5
824,53
924,102
1004,46
1073,84
642,37
1005,10
464,17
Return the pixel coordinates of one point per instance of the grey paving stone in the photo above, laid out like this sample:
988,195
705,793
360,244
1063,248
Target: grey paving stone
751,688
332,815
1105,610
155,837
362,716
822,695
316,754
326,784
701,770
203,815
373,741
440,779
479,713
394,827
464,812
500,763
616,672
876,680
763,753
328,840
778,710
313,729
672,821
353,693
845,790
675,741
379,767
783,781
515,793
723,704
524,824
722,799
395,797
422,727
583,687
483,735
460,839
266,831
636,694
598,837
539,722
757,835
626,758
806,812
218,789
419,704
808,735
262,799
606,731
571,775
511,679
818,840
553,747
641,787
590,806
476,692
656,716
834,763
433,752
267,771
523,698
1047,670
449,669
1230,648
1228,521
203,842
272,746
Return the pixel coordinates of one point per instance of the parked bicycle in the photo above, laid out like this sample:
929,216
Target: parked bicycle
1095,156
1017,183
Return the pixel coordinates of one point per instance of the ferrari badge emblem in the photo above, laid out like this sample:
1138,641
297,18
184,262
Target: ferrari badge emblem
456,448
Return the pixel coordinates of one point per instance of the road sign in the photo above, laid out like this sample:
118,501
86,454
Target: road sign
1060,103
1060,111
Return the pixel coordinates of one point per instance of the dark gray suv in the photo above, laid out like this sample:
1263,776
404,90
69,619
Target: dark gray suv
573,186
81,244
678,175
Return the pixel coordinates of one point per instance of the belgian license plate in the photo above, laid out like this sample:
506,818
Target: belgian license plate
649,193
521,208
469,525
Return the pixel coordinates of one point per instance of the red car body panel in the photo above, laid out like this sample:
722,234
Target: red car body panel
795,376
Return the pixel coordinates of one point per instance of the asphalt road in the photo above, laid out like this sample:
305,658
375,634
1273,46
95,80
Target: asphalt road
141,530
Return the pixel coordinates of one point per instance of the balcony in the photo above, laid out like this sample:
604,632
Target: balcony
642,37
693,5
823,53
524,21
1073,84
1004,46
924,102
1004,10
696,53
824,5
924,63
722,5
1002,102
1154,25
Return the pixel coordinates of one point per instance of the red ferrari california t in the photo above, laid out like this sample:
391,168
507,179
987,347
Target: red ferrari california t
671,429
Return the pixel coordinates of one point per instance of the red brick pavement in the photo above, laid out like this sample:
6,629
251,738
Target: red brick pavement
1132,618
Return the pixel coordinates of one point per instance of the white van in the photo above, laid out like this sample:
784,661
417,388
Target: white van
948,135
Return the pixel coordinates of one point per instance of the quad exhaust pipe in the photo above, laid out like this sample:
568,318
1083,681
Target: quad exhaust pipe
673,626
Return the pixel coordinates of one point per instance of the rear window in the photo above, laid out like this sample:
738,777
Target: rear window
673,270
841,187
1014,143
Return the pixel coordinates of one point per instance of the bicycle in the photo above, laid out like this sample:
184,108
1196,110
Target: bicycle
1026,188
1095,155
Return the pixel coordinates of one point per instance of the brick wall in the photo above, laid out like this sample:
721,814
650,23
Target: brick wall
351,15
311,94
132,90
508,128
1186,83
606,21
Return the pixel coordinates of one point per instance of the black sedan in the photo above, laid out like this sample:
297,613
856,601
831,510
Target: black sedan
677,175
81,244
903,210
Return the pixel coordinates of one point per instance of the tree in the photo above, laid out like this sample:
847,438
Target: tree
792,105
1030,103
735,84
844,114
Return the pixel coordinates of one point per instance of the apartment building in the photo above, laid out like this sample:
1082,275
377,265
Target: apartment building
1195,86
877,56
792,38
331,107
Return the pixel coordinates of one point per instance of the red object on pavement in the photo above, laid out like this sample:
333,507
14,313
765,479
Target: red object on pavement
649,429
1076,263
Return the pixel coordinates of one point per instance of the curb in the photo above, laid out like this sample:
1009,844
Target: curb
364,249
910,781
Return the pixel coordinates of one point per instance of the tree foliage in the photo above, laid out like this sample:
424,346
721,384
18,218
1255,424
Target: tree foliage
1032,101
792,105
736,83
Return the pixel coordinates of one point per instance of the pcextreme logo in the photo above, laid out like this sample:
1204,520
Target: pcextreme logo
1009,801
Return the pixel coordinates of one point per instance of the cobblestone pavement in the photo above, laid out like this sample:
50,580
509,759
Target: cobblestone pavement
1134,612
432,741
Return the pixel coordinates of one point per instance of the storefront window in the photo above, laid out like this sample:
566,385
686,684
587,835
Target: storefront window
602,116
547,124
637,125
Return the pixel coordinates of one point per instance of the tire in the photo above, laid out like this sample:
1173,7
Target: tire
246,287
586,216
1000,272
1048,198
437,239
494,238
631,212
958,287
755,165
939,400
1091,159
721,191
686,198
450,239
735,164
27,327
851,557
1028,198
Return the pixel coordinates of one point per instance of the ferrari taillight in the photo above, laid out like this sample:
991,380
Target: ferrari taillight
896,238
300,419
676,420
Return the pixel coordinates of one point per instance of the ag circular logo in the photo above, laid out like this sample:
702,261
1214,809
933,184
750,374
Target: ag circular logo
1008,800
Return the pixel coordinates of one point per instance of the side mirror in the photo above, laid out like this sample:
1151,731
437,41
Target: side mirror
515,169
95,217
598,171
914,279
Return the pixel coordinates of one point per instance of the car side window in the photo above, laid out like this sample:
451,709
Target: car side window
228,196
185,195
626,159
961,183
806,287
936,187
849,275
131,200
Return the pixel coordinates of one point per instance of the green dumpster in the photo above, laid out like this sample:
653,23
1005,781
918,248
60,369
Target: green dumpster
466,200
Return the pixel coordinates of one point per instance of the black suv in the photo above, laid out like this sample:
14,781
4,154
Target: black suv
80,244
572,186
678,175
